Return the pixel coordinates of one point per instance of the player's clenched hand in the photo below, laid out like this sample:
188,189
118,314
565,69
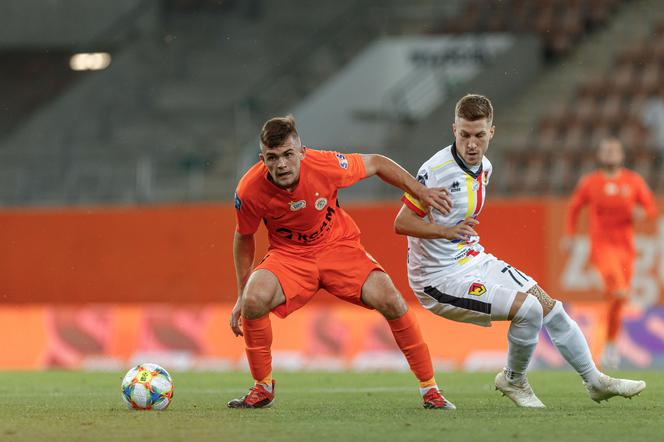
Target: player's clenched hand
437,198
461,231
236,320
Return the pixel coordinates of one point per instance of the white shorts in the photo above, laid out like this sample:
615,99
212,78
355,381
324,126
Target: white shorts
478,294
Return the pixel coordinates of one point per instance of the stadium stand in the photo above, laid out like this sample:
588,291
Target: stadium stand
199,76
617,102
196,80
558,23
578,40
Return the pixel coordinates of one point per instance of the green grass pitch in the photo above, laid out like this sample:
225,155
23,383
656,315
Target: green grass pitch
71,406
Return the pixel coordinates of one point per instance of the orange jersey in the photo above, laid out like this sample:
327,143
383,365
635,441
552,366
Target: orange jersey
309,216
611,202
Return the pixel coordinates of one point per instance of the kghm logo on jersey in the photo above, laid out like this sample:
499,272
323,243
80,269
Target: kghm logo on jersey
320,203
477,289
297,205
343,162
455,187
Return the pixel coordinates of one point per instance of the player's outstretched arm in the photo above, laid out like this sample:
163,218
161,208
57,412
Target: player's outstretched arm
579,199
244,249
646,207
410,223
390,172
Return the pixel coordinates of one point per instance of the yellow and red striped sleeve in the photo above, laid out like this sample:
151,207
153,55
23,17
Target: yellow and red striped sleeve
414,204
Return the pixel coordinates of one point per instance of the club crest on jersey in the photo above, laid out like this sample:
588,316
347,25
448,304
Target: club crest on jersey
477,289
297,205
611,189
485,177
343,163
237,202
320,203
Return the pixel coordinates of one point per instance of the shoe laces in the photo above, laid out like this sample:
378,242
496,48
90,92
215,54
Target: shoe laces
434,396
257,392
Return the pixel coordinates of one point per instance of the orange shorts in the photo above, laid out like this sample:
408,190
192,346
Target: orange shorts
616,267
340,268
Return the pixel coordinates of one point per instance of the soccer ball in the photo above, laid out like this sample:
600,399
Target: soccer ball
147,387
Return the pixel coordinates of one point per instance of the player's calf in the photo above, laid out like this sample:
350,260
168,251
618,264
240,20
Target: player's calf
522,338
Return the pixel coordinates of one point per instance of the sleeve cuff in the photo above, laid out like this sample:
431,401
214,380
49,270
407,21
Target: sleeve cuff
414,204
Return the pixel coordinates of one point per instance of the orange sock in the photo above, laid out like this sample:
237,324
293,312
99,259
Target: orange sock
258,340
614,319
407,333
428,384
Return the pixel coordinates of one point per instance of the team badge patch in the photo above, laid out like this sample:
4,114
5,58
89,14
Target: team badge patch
238,202
343,162
611,189
477,289
297,205
320,203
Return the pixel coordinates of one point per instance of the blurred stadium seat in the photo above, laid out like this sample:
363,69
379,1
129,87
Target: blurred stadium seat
192,80
612,103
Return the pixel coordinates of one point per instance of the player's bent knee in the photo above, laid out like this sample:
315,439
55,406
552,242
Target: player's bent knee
255,304
546,301
387,301
261,294
527,322
392,306
379,292
531,312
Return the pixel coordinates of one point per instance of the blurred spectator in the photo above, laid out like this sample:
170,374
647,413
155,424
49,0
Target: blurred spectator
653,118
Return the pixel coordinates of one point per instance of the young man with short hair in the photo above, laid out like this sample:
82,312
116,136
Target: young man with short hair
314,244
452,275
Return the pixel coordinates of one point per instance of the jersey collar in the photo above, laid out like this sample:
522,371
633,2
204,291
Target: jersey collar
462,165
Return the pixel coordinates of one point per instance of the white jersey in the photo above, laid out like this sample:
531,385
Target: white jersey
433,259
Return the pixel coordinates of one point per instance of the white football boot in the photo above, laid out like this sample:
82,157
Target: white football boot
519,392
609,387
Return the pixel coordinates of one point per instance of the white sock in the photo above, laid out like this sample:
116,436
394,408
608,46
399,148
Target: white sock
268,387
572,345
424,390
522,338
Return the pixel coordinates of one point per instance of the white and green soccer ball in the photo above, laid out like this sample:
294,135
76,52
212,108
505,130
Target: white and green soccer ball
147,387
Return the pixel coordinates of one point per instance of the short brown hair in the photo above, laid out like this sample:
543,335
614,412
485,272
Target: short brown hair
277,130
473,107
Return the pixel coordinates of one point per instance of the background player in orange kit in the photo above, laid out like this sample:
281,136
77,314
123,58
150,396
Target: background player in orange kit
617,197
314,244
